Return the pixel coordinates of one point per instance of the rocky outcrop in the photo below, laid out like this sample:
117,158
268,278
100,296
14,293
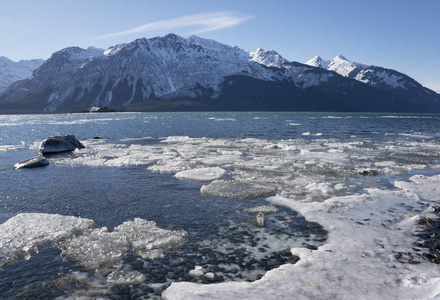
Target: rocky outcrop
60,143
33,162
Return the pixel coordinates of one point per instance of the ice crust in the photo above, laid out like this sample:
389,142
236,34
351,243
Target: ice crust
367,235
120,277
96,249
226,189
266,209
27,233
318,177
201,174
100,249
312,169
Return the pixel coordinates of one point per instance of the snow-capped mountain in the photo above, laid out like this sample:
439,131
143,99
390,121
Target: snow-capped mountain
379,77
268,58
176,73
11,71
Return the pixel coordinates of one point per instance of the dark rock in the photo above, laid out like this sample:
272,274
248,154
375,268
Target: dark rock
60,143
368,172
32,162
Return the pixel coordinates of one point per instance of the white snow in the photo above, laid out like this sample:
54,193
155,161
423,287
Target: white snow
363,73
267,58
11,71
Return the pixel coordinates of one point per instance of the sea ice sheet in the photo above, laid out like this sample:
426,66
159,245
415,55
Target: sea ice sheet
100,249
227,189
366,257
201,174
27,233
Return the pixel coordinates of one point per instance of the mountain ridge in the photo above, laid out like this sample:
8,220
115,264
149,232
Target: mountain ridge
176,73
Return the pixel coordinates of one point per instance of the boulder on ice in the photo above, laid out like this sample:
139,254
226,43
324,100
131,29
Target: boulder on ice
59,143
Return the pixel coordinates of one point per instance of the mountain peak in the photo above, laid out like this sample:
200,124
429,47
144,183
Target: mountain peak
268,58
340,57
317,61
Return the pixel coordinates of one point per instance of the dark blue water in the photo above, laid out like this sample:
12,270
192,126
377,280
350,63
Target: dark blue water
112,195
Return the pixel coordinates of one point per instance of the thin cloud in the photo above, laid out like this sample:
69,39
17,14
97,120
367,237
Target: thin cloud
204,22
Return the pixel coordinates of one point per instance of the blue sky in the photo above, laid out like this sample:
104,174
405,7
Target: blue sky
399,34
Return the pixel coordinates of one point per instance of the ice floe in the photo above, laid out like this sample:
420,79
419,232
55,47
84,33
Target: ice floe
120,277
201,174
100,249
227,189
95,249
27,233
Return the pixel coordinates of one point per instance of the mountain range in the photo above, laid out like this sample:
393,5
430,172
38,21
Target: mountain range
11,71
173,73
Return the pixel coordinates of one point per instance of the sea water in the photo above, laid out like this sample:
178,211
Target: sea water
347,191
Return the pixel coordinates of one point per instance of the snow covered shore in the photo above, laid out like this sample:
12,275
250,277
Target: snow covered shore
370,253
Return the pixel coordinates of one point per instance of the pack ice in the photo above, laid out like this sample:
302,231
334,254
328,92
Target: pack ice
27,233
100,249
370,252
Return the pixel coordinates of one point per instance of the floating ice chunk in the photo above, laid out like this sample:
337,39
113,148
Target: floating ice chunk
266,209
261,219
385,164
27,233
176,139
197,272
97,249
324,188
262,176
201,174
149,241
227,189
33,162
121,277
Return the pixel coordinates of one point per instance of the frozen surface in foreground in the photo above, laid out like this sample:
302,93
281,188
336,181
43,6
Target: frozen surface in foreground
95,249
100,249
201,174
370,252
27,233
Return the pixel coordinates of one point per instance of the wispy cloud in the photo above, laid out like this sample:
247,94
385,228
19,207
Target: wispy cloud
202,22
